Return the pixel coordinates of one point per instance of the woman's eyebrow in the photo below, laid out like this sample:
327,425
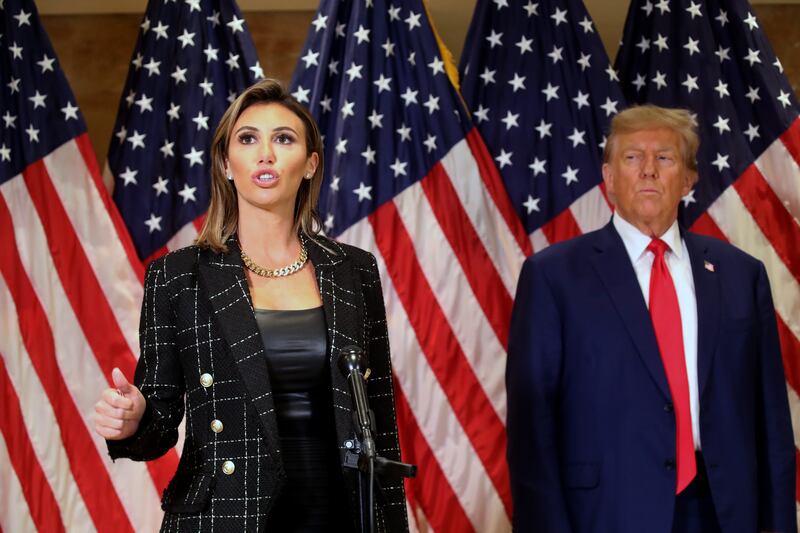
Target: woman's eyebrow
246,128
284,128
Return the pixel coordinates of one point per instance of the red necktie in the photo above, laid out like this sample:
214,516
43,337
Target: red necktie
666,316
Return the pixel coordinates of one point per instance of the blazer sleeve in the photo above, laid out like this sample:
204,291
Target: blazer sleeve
776,469
532,385
158,375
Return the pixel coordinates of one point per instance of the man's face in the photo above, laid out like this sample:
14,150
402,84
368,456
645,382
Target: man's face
646,177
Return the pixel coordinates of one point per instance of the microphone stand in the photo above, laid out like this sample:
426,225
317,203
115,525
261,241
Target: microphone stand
360,451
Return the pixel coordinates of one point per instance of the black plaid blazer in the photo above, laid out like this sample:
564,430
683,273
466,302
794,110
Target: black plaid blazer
197,320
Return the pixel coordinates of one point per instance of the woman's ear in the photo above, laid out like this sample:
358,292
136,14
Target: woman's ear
312,164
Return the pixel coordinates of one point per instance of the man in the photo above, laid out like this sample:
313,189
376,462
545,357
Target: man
645,385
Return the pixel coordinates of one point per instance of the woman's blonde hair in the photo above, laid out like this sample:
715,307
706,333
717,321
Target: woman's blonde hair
648,116
223,212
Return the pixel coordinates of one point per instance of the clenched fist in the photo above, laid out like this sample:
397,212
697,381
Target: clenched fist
119,410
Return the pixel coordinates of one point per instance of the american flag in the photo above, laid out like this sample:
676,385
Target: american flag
713,58
408,177
540,87
70,288
192,58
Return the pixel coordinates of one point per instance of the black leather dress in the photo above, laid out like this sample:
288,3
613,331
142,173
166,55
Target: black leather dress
296,348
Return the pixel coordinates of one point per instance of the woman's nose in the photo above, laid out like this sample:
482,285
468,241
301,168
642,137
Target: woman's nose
267,154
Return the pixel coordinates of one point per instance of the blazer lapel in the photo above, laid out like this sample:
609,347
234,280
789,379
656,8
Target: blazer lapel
342,301
341,294
707,295
616,272
222,277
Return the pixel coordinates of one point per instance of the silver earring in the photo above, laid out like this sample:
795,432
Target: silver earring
230,177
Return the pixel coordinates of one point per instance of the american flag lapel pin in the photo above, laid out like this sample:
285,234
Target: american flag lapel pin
709,266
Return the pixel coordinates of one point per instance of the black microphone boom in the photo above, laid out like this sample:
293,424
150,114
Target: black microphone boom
361,453
352,360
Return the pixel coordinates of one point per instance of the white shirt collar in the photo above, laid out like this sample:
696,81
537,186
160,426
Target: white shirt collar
636,242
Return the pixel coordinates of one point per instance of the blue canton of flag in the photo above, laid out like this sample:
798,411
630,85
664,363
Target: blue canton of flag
713,58
191,60
540,87
383,100
38,109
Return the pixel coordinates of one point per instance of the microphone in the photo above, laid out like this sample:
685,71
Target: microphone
362,455
351,361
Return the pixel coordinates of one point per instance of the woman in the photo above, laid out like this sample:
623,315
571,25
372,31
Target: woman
245,328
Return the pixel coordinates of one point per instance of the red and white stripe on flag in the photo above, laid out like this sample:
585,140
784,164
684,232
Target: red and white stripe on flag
70,295
589,212
449,251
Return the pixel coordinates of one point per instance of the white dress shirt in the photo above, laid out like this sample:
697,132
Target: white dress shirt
680,268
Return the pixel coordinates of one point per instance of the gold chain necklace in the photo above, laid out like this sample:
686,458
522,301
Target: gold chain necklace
288,270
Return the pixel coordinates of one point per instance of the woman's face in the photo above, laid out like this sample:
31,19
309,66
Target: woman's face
267,158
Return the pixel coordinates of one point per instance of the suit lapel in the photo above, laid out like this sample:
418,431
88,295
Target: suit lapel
222,277
613,265
707,295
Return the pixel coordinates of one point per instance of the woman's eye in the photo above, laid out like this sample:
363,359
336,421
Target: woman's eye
284,138
247,138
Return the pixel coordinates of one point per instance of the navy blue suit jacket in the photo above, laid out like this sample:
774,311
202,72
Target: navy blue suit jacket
591,432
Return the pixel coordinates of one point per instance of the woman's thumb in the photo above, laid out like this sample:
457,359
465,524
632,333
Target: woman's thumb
119,380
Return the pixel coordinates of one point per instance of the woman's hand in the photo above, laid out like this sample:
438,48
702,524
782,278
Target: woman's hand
119,410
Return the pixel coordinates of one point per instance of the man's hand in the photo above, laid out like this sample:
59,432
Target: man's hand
119,410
